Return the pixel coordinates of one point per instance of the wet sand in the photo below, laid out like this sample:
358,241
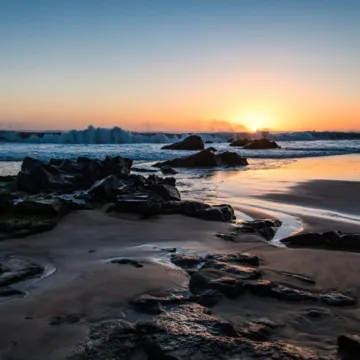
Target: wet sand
86,286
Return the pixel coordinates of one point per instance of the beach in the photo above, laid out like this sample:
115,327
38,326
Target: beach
80,283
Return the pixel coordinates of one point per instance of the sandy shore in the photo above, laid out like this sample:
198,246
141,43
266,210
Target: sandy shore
86,286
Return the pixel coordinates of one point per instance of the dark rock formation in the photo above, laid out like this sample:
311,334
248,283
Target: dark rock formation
206,158
209,142
237,258
188,262
261,144
192,142
350,345
265,227
166,192
40,206
331,240
241,143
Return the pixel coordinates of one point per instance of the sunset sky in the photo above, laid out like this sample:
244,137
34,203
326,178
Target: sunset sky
180,65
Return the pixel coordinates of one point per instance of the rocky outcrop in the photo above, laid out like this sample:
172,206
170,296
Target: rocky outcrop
261,144
149,205
67,175
206,158
331,240
265,227
240,143
192,142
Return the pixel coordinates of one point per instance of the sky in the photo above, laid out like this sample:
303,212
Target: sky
189,65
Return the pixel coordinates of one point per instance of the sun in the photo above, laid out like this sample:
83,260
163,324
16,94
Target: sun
254,129
254,121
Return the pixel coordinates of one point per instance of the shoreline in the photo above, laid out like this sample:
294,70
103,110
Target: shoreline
59,312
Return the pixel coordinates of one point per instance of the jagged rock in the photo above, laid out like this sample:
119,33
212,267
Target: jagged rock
237,258
75,201
224,213
126,261
265,227
207,278
261,144
207,298
241,143
167,170
192,142
40,206
166,192
331,240
206,158
350,344
14,269
188,262
29,163
189,332
107,188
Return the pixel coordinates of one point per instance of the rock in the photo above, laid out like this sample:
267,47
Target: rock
208,278
241,143
166,192
125,327
331,240
21,226
350,344
189,332
188,262
106,189
125,261
167,170
256,331
265,227
155,180
282,292
209,142
192,142
29,163
206,158
301,278
8,291
75,201
237,258
40,178
208,298
40,206
261,144
14,269
224,213
7,178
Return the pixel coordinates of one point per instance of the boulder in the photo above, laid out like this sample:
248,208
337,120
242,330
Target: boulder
211,149
206,158
166,192
261,144
29,163
209,142
106,189
188,262
192,142
224,213
241,143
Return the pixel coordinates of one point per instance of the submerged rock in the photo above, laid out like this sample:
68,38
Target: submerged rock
126,261
261,144
206,158
167,170
192,142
